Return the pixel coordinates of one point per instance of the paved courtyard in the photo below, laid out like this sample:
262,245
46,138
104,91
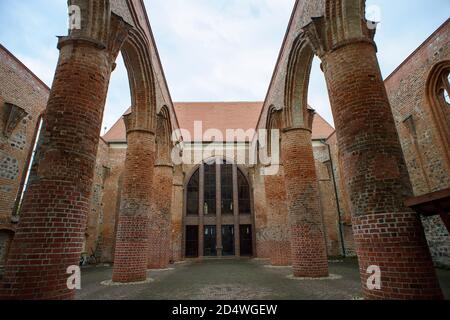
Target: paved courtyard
231,279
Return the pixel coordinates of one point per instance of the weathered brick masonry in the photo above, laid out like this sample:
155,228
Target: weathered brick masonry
343,198
132,245
423,141
123,200
278,231
376,177
328,199
160,220
18,127
177,253
263,230
50,233
308,249
93,234
111,202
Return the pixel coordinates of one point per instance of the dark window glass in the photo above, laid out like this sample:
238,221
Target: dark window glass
246,240
228,240
193,194
446,91
209,207
227,188
191,241
210,246
244,194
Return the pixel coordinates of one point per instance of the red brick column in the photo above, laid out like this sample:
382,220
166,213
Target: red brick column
177,215
50,233
386,233
131,252
308,248
160,224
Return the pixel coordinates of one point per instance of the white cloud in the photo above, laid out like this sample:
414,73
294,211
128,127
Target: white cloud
213,50
221,50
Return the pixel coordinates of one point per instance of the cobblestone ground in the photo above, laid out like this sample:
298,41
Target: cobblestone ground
231,279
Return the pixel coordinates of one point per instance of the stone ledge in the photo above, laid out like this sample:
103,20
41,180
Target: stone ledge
330,277
110,283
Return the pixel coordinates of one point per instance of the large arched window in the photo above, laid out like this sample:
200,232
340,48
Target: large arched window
438,90
445,87
209,190
193,194
224,175
244,194
218,217
226,179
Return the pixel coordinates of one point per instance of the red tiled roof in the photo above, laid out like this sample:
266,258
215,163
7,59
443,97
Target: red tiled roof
321,128
218,115
117,133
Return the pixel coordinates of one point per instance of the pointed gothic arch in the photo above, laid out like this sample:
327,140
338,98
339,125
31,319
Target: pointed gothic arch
74,114
340,35
297,83
436,86
136,56
164,137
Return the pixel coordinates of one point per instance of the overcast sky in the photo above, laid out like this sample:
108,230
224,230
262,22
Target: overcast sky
213,50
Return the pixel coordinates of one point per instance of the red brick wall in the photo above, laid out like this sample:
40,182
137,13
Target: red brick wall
277,219
261,214
427,165
94,228
328,200
20,87
159,233
111,202
344,200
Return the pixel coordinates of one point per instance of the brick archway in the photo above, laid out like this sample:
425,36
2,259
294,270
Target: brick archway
137,200
160,217
50,233
374,170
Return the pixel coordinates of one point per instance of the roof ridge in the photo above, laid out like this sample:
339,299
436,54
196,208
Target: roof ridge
412,54
325,120
2,47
